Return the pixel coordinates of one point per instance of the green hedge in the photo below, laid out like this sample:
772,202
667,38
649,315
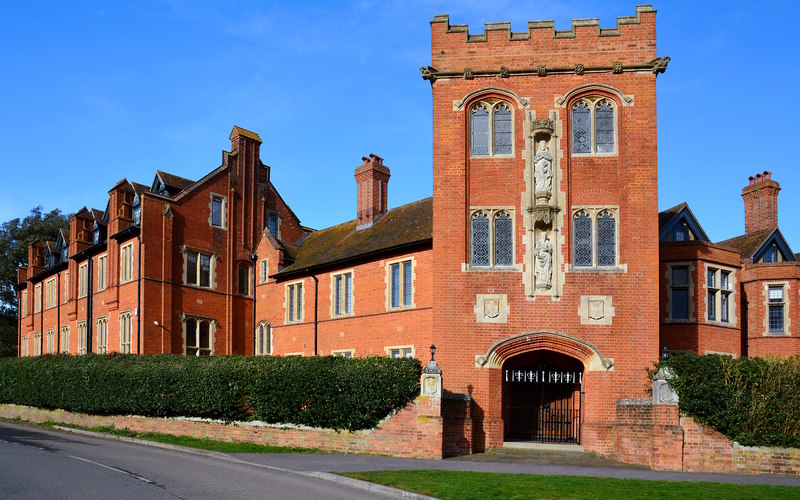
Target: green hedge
329,392
753,401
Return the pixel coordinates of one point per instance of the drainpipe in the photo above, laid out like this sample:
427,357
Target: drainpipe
254,259
19,322
139,292
89,272
58,313
41,319
316,304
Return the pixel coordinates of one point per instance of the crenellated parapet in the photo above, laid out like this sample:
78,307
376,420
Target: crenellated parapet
543,50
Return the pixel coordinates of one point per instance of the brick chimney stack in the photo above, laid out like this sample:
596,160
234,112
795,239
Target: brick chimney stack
372,179
760,203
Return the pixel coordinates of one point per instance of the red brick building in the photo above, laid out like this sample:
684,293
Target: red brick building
540,268
734,297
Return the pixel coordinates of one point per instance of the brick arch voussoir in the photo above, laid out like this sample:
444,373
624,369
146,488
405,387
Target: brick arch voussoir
558,342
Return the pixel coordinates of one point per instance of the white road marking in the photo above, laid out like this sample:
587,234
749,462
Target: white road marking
140,478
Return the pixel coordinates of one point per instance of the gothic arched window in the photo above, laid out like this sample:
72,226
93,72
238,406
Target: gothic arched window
582,228
492,238
593,126
606,240
480,240
491,129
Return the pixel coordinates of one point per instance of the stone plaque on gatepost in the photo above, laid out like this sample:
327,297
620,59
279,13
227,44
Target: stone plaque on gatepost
431,380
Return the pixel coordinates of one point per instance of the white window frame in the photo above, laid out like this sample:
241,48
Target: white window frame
51,341
212,267
295,315
490,105
344,353
65,339
83,280
37,298
223,211
340,303
263,271
102,272
37,344
102,335
126,263
66,287
401,305
125,332
25,346
593,102
83,347
50,293
401,350
267,336
24,306
492,213
200,350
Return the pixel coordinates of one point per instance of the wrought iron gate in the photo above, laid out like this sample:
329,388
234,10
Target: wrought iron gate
543,404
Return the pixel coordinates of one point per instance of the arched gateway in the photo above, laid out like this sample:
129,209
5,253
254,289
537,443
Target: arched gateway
542,380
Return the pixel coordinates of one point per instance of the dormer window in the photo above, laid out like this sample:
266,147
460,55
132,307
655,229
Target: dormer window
136,210
96,234
681,233
64,253
770,254
49,258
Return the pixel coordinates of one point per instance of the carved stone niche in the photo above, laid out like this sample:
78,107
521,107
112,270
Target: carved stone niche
543,215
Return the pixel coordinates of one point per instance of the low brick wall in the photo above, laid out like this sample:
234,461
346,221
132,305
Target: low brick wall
657,436
415,431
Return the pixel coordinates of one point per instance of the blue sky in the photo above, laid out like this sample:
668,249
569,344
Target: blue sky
105,90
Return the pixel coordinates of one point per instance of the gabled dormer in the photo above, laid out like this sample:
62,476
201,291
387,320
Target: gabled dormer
679,224
62,245
100,225
774,249
169,185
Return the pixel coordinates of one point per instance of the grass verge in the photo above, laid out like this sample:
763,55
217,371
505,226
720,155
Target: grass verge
481,485
192,442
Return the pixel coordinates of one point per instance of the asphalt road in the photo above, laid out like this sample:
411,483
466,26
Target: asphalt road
38,463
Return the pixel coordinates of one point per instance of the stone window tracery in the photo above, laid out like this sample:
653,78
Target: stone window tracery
594,126
491,129
491,238
595,238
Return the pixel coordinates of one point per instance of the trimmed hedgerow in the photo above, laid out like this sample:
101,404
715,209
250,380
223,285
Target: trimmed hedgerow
329,392
754,401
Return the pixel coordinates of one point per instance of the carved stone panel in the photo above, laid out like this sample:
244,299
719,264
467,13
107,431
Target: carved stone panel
596,310
491,308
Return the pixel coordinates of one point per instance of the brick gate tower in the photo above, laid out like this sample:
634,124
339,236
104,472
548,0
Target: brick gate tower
545,258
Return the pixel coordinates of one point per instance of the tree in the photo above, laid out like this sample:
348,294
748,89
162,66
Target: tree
15,236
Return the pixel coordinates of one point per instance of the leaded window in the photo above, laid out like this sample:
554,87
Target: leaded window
502,130
491,129
272,223
342,294
581,128
263,339
491,238
776,305
294,302
216,210
583,239
606,240
503,240
480,240
593,126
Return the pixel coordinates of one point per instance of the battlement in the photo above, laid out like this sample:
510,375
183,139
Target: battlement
541,25
542,50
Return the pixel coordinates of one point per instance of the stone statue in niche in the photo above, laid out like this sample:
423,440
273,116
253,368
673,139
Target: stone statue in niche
544,261
543,169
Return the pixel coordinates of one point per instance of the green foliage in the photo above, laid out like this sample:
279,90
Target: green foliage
327,392
15,236
754,401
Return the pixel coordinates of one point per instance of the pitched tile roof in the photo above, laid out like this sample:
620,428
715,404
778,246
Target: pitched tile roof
174,183
748,244
667,215
402,226
139,188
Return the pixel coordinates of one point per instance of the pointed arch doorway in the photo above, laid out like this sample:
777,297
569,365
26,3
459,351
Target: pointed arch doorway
542,396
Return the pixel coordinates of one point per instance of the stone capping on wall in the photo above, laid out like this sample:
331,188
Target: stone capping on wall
415,431
532,25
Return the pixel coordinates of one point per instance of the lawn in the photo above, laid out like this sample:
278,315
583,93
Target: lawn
484,485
